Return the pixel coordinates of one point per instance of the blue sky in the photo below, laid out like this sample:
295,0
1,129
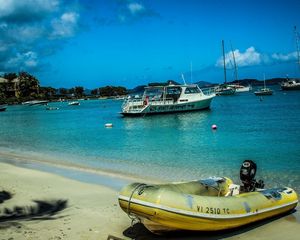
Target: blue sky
129,42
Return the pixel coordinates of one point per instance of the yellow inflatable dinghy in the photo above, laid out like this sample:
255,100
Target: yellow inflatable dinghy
206,205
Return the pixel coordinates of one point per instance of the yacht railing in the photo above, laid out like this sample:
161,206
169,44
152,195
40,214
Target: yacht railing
209,91
135,102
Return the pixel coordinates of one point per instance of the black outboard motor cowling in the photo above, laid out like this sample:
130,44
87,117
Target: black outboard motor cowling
247,175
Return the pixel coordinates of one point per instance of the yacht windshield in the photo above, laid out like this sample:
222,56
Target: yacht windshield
154,93
190,90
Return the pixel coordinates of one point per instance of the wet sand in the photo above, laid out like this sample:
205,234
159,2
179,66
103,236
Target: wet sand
92,212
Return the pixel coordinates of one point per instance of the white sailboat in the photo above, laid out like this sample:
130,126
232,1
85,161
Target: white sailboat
264,90
224,89
293,84
238,88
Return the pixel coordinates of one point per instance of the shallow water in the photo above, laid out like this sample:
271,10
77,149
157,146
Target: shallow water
167,147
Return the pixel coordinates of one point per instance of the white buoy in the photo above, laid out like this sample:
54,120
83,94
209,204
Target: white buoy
214,127
108,125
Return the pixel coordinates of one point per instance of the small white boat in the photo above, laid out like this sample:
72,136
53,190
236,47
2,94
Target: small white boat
290,84
240,88
74,103
52,108
35,102
264,91
171,98
225,90
3,108
293,84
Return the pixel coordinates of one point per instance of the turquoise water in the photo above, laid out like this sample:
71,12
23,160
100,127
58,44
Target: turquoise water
165,147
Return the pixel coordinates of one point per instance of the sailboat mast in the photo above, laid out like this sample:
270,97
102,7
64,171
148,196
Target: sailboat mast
191,72
234,62
297,45
224,62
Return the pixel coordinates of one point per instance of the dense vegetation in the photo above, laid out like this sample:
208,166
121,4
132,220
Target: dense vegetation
20,87
17,88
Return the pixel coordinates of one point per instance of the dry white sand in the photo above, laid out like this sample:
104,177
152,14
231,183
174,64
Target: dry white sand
93,211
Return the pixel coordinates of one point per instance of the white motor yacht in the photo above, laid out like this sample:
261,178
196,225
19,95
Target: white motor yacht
169,98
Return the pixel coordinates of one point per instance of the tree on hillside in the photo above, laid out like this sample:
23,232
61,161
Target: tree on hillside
28,85
10,76
63,91
47,92
112,91
2,93
95,91
78,91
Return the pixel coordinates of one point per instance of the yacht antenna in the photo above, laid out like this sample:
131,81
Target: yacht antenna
234,62
297,45
191,72
224,61
182,76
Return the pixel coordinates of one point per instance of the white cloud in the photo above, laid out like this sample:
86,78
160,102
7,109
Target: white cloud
132,11
251,57
284,57
66,25
28,59
23,11
33,29
135,8
248,58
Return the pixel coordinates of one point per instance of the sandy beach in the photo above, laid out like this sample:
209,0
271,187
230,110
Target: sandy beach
92,212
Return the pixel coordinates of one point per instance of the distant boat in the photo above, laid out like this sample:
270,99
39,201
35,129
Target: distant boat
224,89
74,103
52,108
293,84
264,91
171,98
35,102
3,108
240,88
290,84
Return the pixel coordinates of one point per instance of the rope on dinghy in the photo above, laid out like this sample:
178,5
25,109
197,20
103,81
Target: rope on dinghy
134,218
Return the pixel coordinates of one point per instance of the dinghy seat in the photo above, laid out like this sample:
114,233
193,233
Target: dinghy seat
234,189
216,186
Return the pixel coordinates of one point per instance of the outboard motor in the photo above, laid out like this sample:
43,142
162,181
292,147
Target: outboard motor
247,176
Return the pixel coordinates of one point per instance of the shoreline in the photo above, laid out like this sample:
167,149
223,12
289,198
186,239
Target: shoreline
111,179
92,210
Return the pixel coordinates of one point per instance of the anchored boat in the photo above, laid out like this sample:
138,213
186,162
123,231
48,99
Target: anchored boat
3,107
264,91
290,84
293,84
205,205
167,98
